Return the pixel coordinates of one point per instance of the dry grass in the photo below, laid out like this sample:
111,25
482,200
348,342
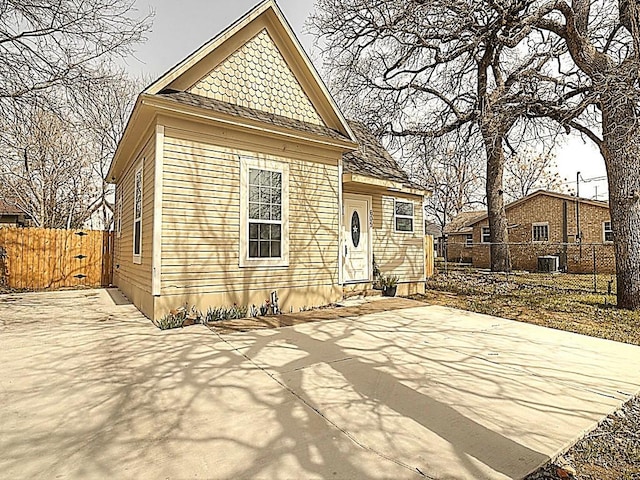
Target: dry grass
540,304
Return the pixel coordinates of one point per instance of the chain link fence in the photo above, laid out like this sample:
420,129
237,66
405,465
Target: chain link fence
587,268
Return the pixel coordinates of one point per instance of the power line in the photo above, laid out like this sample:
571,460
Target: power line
586,180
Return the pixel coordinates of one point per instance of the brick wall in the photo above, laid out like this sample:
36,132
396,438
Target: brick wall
548,209
457,249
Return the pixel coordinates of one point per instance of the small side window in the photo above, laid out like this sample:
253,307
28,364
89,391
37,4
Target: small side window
607,232
486,235
137,217
404,216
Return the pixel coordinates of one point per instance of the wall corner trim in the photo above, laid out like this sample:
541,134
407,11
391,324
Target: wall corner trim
156,265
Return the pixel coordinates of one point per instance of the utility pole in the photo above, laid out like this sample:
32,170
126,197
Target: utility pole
578,233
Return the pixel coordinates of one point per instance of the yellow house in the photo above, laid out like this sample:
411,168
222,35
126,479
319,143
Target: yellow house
238,175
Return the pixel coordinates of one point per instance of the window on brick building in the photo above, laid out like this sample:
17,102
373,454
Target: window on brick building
468,240
607,232
540,232
486,235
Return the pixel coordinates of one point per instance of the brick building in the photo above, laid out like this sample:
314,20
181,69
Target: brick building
577,230
458,235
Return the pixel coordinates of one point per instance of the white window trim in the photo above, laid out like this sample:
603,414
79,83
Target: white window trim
482,235
247,163
137,259
396,216
119,198
604,231
540,224
467,243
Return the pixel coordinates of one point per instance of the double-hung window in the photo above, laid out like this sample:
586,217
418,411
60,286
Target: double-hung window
403,216
607,232
486,235
468,240
264,211
137,217
119,199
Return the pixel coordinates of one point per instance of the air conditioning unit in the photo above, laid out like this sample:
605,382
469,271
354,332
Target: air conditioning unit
548,264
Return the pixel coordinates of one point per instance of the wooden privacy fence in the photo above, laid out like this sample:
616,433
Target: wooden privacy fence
43,259
429,256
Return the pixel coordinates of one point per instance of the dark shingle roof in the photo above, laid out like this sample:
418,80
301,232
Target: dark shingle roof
193,100
371,159
8,207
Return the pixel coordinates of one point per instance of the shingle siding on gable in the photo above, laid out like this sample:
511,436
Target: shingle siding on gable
257,76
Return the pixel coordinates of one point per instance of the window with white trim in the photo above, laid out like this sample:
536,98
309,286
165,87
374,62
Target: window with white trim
119,211
540,232
137,217
607,232
486,235
264,213
403,211
468,240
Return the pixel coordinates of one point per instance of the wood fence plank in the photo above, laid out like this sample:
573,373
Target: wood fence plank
46,259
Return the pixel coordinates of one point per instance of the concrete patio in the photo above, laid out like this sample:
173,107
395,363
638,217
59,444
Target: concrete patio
90,389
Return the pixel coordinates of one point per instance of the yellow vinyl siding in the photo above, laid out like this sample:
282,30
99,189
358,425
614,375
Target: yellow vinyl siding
201,222
398,253
129,277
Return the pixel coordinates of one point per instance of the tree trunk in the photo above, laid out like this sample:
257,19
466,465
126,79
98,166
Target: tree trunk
621,152
500,258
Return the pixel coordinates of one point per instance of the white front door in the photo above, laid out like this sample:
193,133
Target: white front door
355,234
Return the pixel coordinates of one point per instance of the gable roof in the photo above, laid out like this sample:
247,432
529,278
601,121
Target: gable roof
226,83
273,33
371,159
462,223
548,193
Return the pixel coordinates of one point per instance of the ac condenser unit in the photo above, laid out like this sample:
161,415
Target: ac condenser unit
548,264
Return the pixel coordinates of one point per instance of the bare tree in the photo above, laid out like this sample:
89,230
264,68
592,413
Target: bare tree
603,40
529,171
424,69
46,171
101,115
50,47
455,175
62,102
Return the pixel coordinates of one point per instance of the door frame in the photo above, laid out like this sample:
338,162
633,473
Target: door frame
344,238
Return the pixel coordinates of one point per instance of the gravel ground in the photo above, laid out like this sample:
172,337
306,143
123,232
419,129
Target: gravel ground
612,450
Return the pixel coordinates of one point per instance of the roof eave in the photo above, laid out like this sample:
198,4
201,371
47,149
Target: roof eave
172,107
384,184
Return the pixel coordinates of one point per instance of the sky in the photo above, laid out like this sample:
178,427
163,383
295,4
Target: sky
180,28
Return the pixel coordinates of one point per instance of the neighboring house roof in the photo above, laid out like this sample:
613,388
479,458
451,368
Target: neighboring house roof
194,100
8,207
371,159
434,229
463,222
548,193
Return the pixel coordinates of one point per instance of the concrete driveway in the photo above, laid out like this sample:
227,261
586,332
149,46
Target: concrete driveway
90,389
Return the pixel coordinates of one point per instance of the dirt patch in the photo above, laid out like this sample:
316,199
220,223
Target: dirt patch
320,315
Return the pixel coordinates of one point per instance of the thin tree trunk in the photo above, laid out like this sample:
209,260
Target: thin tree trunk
621,153
500,257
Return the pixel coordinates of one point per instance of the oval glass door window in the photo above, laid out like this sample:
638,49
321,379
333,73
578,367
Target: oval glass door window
355,229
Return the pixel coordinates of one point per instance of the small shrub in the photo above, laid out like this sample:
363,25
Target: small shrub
219,314
174,319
